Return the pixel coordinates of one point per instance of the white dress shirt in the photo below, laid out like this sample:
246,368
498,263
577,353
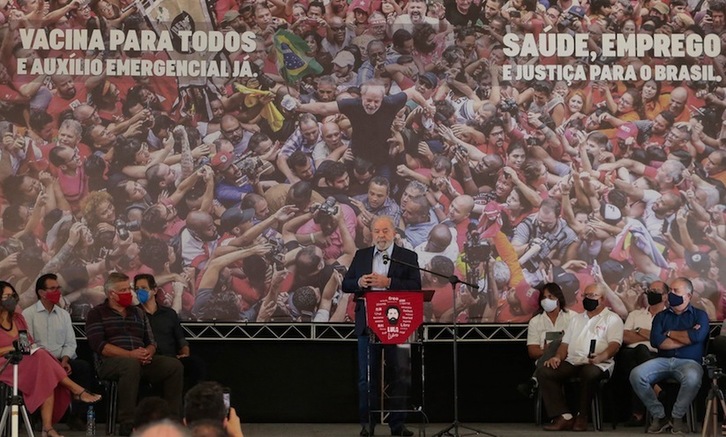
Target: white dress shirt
378,265
53,331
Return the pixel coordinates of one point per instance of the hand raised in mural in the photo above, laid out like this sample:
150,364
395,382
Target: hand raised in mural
286,213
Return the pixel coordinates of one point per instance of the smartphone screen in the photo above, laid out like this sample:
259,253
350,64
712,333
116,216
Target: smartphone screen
24,342
225,398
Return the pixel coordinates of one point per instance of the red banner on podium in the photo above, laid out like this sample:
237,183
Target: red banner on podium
394,315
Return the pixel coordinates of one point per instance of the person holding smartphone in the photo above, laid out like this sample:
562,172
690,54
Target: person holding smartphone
206,405
42,380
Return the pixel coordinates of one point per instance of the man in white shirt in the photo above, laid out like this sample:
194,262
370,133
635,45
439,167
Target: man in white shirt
51,328
587,351
637,350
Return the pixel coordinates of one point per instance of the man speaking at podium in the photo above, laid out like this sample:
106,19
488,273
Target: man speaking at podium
375,269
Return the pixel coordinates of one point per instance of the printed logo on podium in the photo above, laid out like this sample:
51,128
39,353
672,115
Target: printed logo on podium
394,316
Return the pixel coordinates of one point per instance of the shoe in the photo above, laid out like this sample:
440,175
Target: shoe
678,426
580,423
528,389
50,432
76,423
86,397
402,431
658,425
635,421
560,424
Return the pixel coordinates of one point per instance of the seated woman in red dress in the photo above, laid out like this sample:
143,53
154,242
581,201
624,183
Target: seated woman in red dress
41,379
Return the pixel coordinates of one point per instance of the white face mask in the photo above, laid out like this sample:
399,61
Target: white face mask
549,305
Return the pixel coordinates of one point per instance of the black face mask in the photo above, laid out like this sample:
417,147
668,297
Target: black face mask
654,298
10,304
590,304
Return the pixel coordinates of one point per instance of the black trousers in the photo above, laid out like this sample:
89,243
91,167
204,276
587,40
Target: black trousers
627,359
166,372
551,384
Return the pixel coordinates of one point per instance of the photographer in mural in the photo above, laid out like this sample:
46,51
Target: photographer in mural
246,192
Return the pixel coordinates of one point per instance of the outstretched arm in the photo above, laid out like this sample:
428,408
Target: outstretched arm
319,108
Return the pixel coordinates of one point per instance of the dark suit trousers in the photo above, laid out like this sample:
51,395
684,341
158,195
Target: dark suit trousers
551,382
164,372
397,370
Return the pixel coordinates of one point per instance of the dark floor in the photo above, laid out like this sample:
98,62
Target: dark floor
351,430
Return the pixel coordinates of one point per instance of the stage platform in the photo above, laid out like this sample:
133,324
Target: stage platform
351,430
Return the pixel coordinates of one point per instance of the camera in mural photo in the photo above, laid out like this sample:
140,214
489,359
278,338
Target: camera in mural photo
277,254
531,141
329,207
123,228
463,150
509,106
568,22
251,167
476,250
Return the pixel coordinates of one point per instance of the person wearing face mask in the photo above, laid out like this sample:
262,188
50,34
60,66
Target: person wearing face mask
44,384
167,330
545,330
121,337
598,326
51,327
637,350
370,272
680,334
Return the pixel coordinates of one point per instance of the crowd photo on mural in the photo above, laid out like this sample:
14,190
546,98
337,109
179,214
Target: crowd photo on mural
247,197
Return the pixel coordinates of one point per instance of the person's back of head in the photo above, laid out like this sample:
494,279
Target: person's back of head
204,401
207,428
150,410
165,428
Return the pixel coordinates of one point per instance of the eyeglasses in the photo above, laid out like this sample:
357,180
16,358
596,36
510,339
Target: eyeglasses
232,131
74,157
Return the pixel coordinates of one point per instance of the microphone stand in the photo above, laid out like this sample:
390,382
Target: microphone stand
453,428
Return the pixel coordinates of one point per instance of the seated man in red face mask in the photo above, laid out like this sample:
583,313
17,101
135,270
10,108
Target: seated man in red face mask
121,337
51,327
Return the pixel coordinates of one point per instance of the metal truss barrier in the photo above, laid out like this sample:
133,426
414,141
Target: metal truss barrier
432,333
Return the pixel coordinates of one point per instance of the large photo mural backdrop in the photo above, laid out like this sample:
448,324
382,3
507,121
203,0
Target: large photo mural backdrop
239,150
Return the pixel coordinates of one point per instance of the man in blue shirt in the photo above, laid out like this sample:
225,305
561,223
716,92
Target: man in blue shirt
679,333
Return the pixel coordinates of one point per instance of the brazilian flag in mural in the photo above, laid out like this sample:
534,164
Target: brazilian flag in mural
292,59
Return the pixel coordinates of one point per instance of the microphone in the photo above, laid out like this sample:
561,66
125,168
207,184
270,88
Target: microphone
592,348
385,258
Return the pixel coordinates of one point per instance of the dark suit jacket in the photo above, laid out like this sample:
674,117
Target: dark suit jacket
402,278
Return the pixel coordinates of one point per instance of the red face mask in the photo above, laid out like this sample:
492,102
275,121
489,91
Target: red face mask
53,296
125,299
